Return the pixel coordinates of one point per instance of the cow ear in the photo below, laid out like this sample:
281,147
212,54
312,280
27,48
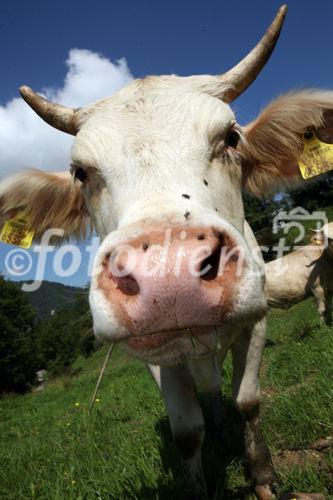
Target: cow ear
49,201
274,142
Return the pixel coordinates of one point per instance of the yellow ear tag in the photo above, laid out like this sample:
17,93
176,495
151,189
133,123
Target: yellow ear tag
317,157
17,232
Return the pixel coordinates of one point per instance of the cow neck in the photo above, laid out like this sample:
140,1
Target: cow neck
329,252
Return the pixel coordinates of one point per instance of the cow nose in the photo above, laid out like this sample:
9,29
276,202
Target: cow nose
128,270
160,282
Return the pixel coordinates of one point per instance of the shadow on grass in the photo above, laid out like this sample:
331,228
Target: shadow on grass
221,449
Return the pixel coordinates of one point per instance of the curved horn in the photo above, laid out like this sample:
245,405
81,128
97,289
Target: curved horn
56,115
242,75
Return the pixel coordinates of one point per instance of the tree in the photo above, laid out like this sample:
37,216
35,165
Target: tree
18,362
315,194
65,335
260,213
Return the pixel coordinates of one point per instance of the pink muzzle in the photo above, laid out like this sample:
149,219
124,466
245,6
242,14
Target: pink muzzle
167,283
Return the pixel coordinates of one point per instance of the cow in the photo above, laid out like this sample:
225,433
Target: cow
158,169
302,273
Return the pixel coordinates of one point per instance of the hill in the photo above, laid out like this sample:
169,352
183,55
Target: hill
51,297
50,447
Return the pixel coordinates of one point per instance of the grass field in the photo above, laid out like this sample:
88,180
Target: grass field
51,448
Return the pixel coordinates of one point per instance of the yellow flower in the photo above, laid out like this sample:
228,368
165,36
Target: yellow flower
73,482
77,404
97,400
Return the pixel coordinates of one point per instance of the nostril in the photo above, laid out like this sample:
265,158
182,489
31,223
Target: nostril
114,265
127,284
209,268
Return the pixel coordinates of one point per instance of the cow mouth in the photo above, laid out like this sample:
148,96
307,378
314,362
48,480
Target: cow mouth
151,341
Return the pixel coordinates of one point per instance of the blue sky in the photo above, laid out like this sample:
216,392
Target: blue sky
165,37
156,38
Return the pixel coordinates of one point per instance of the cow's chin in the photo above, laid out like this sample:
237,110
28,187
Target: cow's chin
172,347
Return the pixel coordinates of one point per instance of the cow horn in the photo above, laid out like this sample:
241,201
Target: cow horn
56,115
245,72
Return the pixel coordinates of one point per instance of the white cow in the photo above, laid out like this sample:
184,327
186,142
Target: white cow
305,272
158,169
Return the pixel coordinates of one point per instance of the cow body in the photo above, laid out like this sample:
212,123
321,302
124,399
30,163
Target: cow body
300,274
158,170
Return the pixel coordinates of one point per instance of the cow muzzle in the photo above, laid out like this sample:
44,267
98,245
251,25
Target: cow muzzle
163,283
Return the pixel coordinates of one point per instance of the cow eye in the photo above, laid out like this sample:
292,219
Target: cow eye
80,174
232,138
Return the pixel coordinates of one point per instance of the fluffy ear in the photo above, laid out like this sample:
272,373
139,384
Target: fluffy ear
275,140
49,200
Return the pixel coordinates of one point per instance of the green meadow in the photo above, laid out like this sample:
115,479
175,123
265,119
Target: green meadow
52,448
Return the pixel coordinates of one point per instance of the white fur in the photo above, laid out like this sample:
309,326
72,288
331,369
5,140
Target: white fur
142,149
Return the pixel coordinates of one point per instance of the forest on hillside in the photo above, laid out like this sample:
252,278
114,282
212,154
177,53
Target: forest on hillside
31,340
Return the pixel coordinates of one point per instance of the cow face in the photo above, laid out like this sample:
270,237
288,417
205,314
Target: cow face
158,169
161,175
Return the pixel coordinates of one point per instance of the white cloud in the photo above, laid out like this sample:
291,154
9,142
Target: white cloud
26,141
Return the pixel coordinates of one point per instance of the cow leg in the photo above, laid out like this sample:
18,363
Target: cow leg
187,425
155,372
328,307
319,294
207,379
247,353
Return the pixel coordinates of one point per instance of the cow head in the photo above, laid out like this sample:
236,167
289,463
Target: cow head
324,236
158,169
